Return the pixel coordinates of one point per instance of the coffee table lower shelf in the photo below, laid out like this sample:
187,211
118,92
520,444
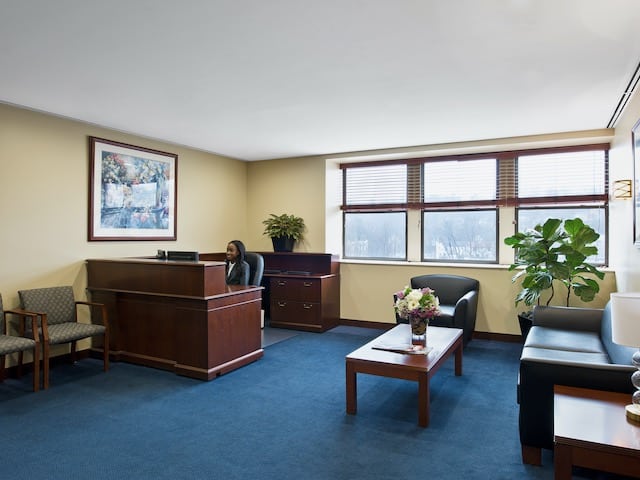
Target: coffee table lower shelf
443,342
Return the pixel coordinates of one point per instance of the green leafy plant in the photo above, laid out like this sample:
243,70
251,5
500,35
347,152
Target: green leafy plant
555,252
284,225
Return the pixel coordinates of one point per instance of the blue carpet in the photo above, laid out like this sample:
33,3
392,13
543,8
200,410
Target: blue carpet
282,417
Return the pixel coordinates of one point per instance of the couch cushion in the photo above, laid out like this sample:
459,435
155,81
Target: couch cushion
569,340
565,357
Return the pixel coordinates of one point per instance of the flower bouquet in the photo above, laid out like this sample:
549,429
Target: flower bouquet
417,305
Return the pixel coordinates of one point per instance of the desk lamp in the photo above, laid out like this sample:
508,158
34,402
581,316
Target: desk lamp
625,326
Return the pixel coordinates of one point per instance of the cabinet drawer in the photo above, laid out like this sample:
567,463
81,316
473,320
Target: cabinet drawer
287,311
296,289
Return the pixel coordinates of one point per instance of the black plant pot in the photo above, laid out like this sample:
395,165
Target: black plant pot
283,244
526,321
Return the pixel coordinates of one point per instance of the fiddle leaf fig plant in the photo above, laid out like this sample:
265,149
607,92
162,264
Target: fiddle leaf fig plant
555,252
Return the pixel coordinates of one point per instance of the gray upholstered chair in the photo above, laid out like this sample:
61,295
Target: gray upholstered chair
458,301
256,267
59,312
19,344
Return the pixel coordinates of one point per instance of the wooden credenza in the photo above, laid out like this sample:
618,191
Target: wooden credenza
178,316
302,290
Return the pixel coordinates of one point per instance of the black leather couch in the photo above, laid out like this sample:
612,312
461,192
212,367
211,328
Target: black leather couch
565,346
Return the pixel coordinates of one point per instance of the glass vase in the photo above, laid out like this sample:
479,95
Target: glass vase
419,330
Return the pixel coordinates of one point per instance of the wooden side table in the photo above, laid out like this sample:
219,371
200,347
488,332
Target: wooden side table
591,430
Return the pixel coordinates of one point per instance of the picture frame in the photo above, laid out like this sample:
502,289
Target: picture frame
635,141
132,192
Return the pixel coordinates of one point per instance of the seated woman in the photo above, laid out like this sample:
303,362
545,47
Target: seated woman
237,269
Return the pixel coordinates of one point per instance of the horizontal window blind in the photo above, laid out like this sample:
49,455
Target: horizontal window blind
562,177
375,185
460,181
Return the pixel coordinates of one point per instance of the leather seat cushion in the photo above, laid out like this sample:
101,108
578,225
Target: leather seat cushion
445,319
564,357
568,340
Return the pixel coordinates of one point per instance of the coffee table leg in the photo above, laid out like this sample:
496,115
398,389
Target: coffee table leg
423,401
352,393
458,360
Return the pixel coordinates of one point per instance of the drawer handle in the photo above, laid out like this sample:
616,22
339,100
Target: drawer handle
307,284
307,306
282,304
281,283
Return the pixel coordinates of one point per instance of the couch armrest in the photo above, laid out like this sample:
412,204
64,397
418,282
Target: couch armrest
568,318
537,376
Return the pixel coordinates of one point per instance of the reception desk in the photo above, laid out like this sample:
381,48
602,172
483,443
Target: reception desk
178,316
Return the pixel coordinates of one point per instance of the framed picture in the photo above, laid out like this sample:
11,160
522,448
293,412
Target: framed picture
132,192
635,139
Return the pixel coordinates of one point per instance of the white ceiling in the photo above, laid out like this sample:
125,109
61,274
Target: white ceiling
262,79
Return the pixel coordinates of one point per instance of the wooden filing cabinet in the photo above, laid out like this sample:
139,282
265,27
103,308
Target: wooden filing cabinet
302,290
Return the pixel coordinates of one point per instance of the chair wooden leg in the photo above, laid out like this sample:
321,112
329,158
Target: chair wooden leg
105,352
36,369
73,352
45,365
2,368
19,367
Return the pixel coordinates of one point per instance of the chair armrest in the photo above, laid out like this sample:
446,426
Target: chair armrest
467,297
568,318
23,315
102,306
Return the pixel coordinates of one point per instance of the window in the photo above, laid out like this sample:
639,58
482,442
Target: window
380,235
450,231
457,201
375,219
459,235
577,188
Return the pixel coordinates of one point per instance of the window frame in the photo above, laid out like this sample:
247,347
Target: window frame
506,196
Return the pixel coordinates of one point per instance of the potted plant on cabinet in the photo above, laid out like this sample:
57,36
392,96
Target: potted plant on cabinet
551,253
284,230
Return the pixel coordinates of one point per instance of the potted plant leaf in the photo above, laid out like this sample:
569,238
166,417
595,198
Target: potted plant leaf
554,253
284,230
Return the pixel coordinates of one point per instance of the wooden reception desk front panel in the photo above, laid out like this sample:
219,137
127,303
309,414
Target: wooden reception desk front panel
178,316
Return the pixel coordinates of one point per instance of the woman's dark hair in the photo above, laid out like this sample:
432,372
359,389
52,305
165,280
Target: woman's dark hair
241,250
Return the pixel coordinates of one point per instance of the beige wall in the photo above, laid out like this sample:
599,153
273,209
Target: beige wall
44,195
366,288
624,257
293,186
43,201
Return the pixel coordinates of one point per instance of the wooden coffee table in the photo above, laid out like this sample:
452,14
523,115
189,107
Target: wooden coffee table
591,430
420,368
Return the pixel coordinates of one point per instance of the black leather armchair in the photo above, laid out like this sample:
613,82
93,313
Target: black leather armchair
565,346
458,301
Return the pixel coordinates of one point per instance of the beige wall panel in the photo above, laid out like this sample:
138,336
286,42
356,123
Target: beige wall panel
44,201
293,186
367,293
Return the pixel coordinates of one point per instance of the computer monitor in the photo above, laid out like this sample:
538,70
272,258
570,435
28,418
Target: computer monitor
182,256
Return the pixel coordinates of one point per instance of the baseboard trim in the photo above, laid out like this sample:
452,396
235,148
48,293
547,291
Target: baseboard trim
361,323
499,337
